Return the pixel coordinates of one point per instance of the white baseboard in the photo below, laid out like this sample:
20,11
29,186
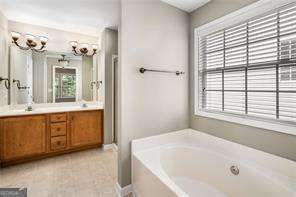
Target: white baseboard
123,191
115,148
110,146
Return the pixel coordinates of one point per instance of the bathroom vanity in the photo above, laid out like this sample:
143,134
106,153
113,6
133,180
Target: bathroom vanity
52,97
26,136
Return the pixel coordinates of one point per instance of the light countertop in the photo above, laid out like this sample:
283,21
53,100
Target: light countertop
19,110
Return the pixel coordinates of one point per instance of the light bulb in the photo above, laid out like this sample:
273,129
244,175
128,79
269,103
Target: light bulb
43,40
30,37
73,43
84,46
95,47
15,35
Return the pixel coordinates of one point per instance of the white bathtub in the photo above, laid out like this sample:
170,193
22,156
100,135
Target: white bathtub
191,163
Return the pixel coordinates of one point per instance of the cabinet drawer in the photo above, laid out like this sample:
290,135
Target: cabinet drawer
58,117
57,129
58,143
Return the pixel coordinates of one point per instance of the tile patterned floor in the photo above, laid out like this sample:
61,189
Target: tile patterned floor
91,173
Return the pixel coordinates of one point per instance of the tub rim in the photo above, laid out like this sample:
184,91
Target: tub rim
173,139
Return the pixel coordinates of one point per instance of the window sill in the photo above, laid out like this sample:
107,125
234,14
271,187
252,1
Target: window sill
279,127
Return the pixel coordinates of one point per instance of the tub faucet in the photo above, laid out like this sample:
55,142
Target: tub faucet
234,170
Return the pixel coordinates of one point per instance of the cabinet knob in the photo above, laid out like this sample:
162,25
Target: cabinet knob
58,129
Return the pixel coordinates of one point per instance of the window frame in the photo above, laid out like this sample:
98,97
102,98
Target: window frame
237,17
54,82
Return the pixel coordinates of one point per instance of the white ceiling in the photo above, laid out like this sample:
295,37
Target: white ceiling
88,17
187,5
81,16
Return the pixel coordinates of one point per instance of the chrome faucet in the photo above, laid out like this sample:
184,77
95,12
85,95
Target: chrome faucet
29,106
84,105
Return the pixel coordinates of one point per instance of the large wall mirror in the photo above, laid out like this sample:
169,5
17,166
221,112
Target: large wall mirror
49,65
52,77
54,64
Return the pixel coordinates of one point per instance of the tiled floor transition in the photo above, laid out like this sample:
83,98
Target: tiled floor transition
91,173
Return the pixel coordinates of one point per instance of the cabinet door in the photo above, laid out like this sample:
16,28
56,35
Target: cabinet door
86,128
23,136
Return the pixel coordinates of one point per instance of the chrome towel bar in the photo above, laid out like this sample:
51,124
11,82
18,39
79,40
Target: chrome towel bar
143,70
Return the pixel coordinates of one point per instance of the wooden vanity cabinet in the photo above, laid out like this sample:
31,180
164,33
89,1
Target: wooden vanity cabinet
25,138
86,128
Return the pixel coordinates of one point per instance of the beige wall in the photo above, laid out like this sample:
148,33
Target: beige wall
21,68
3,58
269,141
110,43
87,78
155,35
39,82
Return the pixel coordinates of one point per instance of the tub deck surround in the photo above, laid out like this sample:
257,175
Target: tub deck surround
191,163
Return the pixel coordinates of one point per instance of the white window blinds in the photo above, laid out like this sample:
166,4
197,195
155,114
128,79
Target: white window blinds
250,69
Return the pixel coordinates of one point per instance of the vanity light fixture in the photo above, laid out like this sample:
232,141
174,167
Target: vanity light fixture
63,60
30,41
83,49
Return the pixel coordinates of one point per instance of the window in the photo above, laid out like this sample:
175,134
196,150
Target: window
65,85
250,69
288,51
